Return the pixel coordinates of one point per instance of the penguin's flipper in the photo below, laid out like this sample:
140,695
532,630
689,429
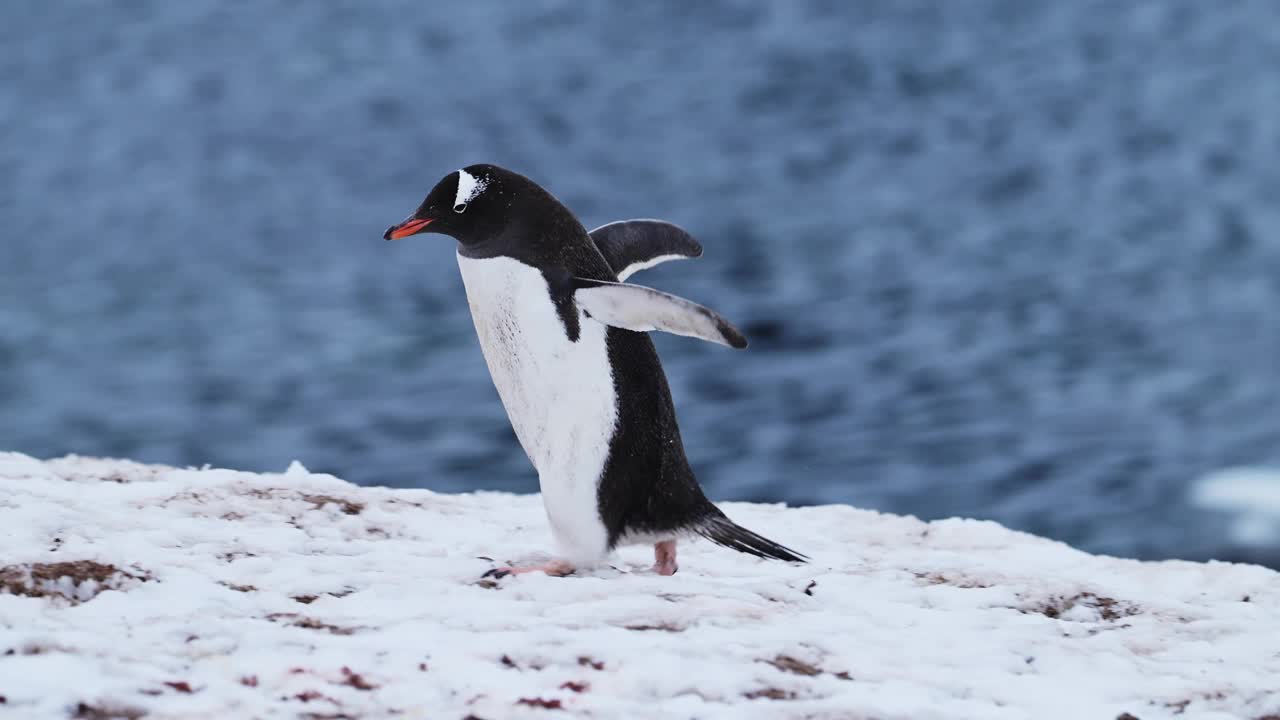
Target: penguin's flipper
640,308
633,245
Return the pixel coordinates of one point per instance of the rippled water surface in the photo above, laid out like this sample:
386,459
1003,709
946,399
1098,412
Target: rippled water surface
1011,260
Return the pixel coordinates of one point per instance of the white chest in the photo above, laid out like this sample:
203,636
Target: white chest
558,394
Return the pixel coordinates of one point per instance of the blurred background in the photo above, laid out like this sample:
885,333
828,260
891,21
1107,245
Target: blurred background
1009,260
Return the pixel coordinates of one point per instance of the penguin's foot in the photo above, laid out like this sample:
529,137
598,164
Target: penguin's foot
554,568
664,558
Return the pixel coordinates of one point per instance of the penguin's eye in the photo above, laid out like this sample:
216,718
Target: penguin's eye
460,208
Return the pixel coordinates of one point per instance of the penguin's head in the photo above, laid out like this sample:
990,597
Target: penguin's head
471,205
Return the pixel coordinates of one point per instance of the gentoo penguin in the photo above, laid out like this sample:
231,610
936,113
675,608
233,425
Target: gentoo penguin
564,339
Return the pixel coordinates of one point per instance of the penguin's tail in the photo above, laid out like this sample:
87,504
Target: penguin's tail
723,531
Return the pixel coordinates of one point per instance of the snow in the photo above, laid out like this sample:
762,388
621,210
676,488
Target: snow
1252,495
213,593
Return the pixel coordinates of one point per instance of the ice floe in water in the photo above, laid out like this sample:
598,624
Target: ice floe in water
1252,495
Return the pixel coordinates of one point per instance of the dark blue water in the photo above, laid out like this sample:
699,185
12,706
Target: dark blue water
1012,260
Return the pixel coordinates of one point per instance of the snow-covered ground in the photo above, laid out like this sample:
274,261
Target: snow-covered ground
133,589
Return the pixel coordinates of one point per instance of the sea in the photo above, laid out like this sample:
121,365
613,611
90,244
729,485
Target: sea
1011,260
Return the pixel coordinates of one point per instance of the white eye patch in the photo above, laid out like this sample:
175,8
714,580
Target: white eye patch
469,186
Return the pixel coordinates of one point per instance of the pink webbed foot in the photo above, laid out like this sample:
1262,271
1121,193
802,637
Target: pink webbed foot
554,568
664,558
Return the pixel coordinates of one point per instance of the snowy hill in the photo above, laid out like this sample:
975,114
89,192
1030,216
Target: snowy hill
131,590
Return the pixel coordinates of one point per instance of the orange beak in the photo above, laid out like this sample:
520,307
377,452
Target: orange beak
412,226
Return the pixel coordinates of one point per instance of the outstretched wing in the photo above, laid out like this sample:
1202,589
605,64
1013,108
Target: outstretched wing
633,245
640,308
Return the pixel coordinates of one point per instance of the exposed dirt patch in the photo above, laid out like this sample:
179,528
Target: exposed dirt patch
238,587
1108,609
540,703
508,662
318,501
348,507
590,662
954,580
786,663
356,680
664,627
769,694
307,696
86,711
309,598
75,582
1179,707
309,623
35,648
235,555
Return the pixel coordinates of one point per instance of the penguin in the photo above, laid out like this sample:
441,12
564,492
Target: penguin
565,339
